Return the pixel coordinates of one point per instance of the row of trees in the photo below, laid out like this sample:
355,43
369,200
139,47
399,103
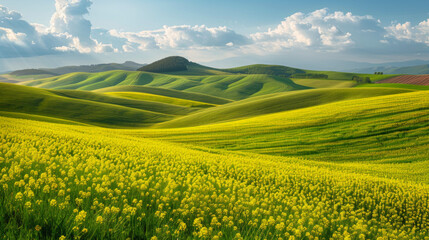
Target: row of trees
378,73
361,80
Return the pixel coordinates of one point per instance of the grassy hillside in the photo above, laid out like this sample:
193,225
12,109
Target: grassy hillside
197,97
274,103
232,87
150,105
83,107
394,85
168,64
60,174
275,70
349,76
163,99
324,83
391,128
48,72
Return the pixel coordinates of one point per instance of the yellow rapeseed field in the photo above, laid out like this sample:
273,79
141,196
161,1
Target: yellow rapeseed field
60,181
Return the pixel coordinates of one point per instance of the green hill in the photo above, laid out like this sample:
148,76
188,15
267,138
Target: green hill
197,97
25,72
94,68
234,87
275,70
176,65
395,85
324,83
387,129
159,98
149,105
85,107
168,64
274,103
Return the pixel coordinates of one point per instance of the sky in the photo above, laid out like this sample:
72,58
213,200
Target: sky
314,34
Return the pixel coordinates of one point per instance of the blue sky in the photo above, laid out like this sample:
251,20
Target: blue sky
311,34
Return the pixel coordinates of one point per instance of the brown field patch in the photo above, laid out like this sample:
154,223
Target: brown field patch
408,79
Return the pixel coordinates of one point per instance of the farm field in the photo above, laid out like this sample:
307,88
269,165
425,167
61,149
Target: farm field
240,153
408,79
79,181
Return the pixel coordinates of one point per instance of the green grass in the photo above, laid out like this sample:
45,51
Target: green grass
142,104
85,107
324,83
274,103
389,129
163,99
232,87
197,97
349,76
276,70
39,118
394,85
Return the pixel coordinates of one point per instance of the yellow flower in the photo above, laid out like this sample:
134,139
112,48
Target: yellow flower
154,238
62,237
53,203
18,196
84,230
99,220
38,228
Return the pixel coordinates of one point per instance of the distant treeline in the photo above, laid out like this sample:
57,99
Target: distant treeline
361,80
310,75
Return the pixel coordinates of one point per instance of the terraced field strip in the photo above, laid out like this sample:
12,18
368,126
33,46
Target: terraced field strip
408,79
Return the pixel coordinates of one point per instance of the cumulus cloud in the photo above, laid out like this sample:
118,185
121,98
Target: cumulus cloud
183,37
19,38
69,19
318,30
406,32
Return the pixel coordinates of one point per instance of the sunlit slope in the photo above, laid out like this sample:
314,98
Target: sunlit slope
62,179
324,83
82,107
392,128
142,104
233,87
163,99
171,93
349,76
274,103
395,85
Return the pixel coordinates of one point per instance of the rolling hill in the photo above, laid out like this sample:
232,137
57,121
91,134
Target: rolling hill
234,87
196,97
86,107
273,103
126,66
388,129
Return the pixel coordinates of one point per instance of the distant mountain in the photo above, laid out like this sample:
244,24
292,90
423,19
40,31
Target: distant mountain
127,66
413,70
407,67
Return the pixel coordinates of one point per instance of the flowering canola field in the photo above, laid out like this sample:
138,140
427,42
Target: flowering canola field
60,181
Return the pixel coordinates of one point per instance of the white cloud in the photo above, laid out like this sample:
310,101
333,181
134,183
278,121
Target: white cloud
318,30
404,31
18,38
69,18
183,37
